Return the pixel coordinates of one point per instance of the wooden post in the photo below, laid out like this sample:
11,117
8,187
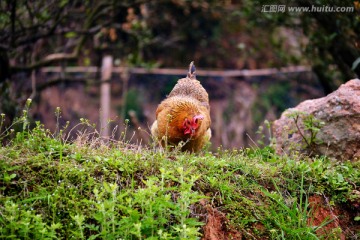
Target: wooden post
125,78
106,70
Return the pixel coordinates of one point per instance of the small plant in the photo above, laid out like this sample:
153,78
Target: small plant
307,126
265,135
20,126
24,224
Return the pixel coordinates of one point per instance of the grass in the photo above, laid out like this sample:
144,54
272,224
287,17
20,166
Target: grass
89,189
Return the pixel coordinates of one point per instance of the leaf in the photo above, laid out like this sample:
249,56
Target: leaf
87,61
63,3
355,63
7,177
357,218
70,34
107,187
340,177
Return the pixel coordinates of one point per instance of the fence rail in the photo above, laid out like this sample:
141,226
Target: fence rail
169,71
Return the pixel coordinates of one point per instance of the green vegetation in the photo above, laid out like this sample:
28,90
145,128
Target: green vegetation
89,189
275,97
311,126
132,103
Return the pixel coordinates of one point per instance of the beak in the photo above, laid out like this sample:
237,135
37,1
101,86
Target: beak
192,131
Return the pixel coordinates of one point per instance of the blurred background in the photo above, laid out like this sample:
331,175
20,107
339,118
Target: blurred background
101,60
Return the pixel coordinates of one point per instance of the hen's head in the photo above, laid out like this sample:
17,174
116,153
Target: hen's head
191,124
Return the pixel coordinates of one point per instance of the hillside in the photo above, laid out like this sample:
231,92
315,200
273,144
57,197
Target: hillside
88,189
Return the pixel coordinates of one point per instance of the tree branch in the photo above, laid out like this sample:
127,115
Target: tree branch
56,81
52,29
56,57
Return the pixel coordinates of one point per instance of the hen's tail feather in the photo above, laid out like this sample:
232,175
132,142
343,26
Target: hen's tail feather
192,70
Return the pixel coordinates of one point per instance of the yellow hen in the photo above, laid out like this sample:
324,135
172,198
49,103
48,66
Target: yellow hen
184,116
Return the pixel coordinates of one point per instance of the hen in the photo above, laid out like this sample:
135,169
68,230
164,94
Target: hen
184,116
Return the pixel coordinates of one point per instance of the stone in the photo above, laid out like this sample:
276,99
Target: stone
337,118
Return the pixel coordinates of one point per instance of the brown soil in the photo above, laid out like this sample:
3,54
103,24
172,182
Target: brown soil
323,212
217,226
341,225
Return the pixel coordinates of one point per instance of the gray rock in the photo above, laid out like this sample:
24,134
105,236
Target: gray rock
338,137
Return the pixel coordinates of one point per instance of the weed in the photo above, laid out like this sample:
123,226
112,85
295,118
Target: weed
307,126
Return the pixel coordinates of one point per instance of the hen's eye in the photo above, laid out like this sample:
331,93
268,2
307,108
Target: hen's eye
188,121
196,120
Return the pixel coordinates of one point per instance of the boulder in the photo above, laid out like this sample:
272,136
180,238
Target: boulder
325,126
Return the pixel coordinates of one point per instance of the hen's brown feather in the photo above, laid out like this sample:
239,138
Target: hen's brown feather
187,99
